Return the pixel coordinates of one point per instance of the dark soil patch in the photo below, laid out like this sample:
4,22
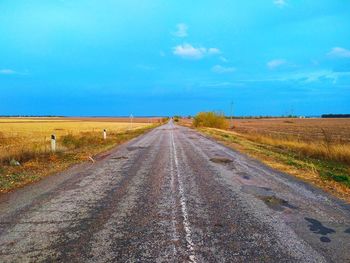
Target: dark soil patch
133,148
120,157
221,160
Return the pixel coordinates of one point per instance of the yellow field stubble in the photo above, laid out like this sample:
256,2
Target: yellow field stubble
18,136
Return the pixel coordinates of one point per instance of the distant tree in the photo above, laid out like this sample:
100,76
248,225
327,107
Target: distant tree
335,116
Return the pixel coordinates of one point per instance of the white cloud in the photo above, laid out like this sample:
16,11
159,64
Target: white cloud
188,51
339,52
276,63
280,3
304,77
214,51
191,52
181,30
220,69
7,72
324,75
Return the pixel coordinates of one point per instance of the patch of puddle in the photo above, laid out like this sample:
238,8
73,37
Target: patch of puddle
318,228
221,160
347,231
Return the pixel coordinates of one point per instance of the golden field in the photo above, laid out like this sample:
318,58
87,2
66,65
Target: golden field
19,135
25,149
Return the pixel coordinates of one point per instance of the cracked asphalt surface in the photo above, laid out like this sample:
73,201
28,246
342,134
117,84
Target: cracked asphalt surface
173,195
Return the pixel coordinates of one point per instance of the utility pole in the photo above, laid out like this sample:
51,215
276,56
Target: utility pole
231,113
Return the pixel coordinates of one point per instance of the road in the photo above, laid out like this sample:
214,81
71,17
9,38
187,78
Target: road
173,195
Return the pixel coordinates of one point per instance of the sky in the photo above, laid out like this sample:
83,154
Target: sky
157,57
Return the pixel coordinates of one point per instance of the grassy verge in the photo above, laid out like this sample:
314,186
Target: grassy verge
73,149
329,174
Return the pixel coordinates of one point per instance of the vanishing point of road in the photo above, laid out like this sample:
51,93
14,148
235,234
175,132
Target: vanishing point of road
173,195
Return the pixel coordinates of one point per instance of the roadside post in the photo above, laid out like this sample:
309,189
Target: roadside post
131,121
53,143
104,134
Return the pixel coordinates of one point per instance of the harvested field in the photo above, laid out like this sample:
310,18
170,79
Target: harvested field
25,144
33,134
336,130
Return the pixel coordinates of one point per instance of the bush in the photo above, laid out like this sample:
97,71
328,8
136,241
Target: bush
176,118
210,119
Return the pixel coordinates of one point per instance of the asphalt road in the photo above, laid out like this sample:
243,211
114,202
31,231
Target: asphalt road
172,195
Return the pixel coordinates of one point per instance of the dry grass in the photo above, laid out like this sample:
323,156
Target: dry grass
323,149
28,142
331,176
327,139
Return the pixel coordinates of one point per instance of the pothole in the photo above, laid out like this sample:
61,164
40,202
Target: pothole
221,160
257,190
244,175
133,148
276,203
268,197
119,157
347,231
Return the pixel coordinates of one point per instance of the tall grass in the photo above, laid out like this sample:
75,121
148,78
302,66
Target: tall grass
325,149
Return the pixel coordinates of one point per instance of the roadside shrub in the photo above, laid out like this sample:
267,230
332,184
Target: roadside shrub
210,119
176,118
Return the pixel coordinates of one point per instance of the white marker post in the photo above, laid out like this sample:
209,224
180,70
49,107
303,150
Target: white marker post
131,121
104,134
53,143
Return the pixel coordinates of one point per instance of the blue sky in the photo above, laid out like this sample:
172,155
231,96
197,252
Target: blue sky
156,57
